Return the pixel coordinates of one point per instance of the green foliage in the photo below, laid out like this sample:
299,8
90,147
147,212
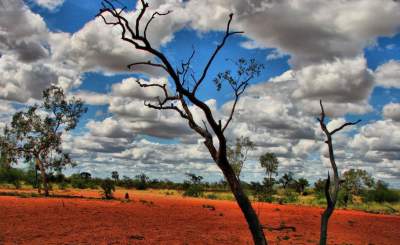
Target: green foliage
289,196
300,185
142,181
270,163
62,185
260,193
247,70
212,196
381,193
36,133
115,176
237,154
108,188
355,182
319,188
193,186
83,181
193,191
286,180
11,175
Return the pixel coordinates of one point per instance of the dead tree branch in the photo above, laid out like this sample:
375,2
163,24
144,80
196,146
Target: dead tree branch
331,192
188,99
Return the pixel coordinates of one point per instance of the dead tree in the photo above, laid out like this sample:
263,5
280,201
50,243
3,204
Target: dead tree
184,95
331,191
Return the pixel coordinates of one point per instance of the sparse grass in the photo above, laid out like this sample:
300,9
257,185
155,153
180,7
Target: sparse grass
310,200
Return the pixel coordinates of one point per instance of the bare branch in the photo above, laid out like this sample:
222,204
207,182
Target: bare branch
228,33
149,63
345,125
164,89
145,6
323,125
152,18
169,107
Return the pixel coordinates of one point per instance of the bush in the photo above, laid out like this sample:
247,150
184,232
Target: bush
108,188
62,185
11,176
193,191
381,193
78,183
290,196
212,196
142,181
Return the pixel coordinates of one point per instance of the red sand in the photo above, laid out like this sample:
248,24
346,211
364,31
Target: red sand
176,220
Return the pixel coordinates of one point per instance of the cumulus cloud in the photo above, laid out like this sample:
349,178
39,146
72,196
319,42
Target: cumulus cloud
388,74
392,111
310,31
380,138
22,32
92,98
346,80
49,4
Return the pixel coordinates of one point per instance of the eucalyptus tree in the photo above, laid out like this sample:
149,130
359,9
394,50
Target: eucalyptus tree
184,94
270,163
354,181
237,154
331,190
36,133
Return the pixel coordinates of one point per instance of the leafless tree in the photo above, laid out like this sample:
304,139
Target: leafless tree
185,96
331,191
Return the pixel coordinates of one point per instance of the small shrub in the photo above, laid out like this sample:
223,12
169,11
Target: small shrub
212,196
193,191
11,176
290,197
108,188
62,185
381,194
78,183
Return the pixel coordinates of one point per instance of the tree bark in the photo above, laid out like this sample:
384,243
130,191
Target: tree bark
324,225
331,197
327,212
44,177
244,204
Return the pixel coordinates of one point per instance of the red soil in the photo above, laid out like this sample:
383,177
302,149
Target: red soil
176,220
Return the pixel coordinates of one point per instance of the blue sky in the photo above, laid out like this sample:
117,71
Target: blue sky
345,53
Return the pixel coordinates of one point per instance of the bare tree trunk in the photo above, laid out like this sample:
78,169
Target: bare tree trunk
244,204
44,177
36,176
327,212
331,197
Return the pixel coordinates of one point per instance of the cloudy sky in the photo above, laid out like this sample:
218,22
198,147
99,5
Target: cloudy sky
344,52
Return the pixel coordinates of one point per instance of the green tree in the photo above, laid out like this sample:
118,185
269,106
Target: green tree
143,180
237,155
193,187
270,164
115,176
301,185
354,181
286,180
108,188
36,133
381,193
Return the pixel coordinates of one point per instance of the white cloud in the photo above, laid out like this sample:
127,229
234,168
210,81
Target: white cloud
388,74
22,32
92,98
341,81
49,4
310,31
392,111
